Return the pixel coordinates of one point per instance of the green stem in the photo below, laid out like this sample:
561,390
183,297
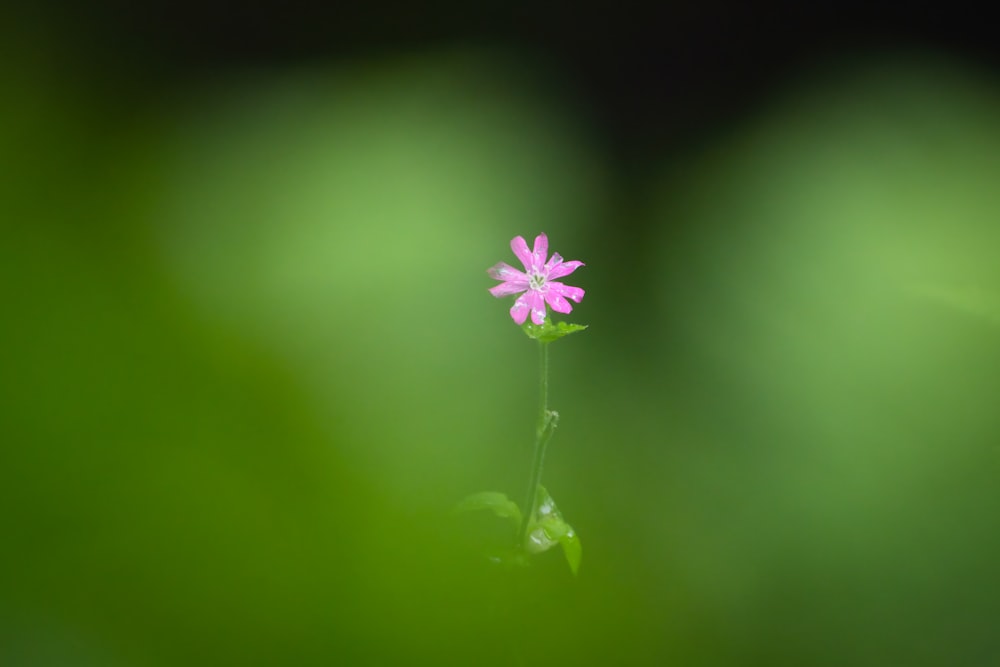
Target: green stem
543,432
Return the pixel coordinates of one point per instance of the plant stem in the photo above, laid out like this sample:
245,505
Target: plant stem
543,432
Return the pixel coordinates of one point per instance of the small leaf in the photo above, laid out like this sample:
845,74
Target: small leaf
497,502
548,528
572,549
548,331
540,539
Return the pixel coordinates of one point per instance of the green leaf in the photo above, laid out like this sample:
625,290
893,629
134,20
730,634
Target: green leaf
549,331
572,549
497,502
548,528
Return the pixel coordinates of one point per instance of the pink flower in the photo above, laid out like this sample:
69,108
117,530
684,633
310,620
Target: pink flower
538,281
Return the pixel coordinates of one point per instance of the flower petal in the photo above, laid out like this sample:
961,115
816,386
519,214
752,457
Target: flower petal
519,311
508,288
559,304
574,293
504,271
520,248
537,303
563,269
539,252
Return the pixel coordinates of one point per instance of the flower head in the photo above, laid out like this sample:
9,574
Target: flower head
537,281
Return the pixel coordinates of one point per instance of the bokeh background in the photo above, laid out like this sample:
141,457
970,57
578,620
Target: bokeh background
248,362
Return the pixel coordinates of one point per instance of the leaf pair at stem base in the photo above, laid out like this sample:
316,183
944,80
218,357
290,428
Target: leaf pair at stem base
544,530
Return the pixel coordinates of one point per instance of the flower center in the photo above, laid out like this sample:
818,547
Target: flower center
537,282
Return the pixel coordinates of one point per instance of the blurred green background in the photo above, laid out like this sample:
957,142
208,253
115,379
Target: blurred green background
248,363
